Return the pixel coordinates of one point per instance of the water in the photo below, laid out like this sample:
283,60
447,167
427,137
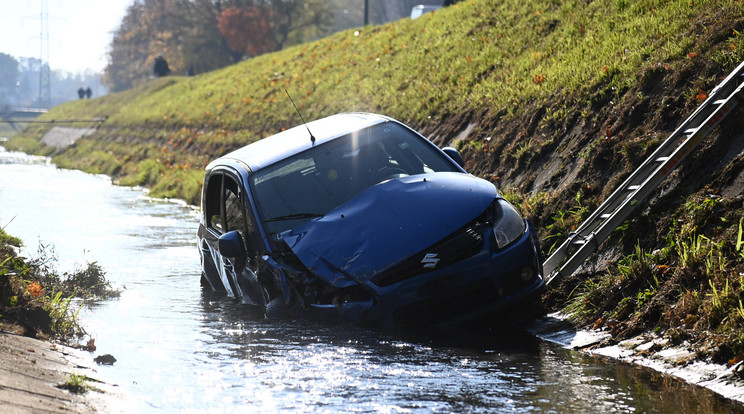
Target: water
180,349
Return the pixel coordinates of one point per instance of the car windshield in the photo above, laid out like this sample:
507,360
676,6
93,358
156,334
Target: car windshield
314,182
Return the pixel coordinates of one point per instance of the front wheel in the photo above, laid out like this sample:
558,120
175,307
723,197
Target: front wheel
276,308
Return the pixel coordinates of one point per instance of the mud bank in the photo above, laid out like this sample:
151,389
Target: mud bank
33,374
647,350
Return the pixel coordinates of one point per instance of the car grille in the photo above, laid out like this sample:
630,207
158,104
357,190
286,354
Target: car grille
460,301
443,304
460,245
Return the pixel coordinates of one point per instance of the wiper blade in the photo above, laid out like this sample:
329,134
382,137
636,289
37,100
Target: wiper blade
294,216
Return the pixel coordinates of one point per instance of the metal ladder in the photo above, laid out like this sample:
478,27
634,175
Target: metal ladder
596,228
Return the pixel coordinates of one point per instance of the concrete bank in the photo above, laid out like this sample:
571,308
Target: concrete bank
32,370
648,350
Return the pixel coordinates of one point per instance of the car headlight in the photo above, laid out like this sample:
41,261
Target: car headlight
508,224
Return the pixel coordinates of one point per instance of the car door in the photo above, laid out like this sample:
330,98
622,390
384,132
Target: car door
226,211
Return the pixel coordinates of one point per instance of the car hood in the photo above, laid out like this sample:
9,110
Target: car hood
388,223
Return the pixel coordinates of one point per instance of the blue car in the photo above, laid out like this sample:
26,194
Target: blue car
357,217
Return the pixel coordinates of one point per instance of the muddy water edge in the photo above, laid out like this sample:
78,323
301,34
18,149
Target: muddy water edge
181,349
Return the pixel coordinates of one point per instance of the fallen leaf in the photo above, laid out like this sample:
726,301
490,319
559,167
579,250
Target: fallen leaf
599,323
34,288
735,360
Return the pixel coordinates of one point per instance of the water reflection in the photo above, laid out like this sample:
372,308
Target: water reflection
180,349
308,367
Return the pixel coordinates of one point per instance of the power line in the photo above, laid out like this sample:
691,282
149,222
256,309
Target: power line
45,76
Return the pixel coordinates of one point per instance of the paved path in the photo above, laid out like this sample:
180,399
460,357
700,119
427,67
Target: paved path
62,137
30,371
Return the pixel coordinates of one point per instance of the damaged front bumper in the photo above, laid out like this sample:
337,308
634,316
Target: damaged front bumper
474,289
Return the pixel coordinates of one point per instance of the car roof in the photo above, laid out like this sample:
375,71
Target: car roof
284,144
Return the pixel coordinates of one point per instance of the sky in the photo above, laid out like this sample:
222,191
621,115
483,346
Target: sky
80,31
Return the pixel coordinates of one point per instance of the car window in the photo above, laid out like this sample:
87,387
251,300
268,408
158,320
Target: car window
226,212
233,211
314,182
212,200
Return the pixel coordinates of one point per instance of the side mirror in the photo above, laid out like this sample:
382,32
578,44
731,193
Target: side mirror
455,155
230,244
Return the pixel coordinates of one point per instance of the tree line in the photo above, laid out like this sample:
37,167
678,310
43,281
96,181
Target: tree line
201,35
19,84
197,36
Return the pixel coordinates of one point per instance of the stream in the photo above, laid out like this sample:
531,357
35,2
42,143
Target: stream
181,349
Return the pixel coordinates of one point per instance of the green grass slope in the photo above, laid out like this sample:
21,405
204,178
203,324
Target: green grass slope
554,101
505,56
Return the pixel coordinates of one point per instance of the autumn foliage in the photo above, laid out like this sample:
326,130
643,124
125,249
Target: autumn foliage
247,29
199,36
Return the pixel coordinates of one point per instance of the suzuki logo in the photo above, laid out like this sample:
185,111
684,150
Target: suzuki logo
430,260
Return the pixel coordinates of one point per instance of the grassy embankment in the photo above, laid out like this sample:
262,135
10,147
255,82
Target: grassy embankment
564,100
479,54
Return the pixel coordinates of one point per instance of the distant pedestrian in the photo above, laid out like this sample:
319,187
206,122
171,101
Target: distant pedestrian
81,93
88,92
191,71
160,67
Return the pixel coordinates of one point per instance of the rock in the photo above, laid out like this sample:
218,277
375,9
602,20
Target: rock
675,355
105,359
